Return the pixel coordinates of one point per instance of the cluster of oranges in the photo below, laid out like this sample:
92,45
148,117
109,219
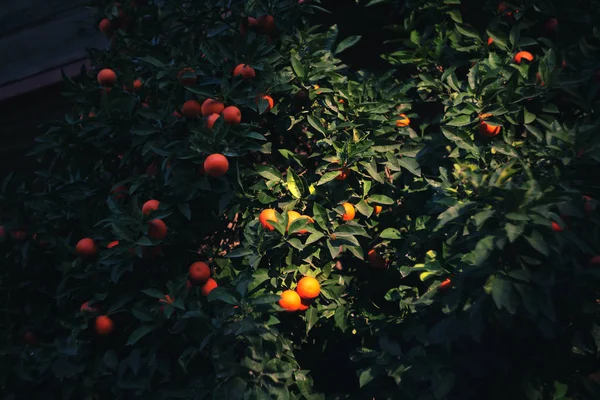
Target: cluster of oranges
270,215
199,274
212,109
307,290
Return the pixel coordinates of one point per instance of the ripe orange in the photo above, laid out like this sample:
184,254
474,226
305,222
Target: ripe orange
85,307
490,41
267,215
377,209
210,120
556,227
304,304
188,285
551,25
350,212
488,130
588,206
104,325
344,172
403,121
191,109
445,284
157,229
292,216
290,300
105,26
19,235
212,106
246,71
107,77
86,248
232,115
269,100
30,337
187,80
135,87
308,288
266,23
149,206
538,79
208,286
523,55
199,272
375,260
112,244
216,165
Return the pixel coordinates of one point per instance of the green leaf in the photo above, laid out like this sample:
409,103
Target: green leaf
390,233
269,172
347,43
340,318
380,199
366,376
411,165
536,240
502,293
320,216
294,184
297,66
452,213
315,123
513,231
139,333
442,383
461,120
152,61
155,293
239,252
328,177
185,210
311,318
223,295
111,360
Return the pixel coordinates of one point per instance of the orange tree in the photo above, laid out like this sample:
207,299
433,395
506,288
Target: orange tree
231,212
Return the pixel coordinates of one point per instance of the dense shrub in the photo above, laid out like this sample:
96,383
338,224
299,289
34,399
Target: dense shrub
446,207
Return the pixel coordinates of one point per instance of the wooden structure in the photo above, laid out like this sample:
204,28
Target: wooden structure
38,40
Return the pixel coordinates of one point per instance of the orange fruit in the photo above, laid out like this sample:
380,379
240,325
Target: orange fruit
308,288
191,109
188,285
86,248
445,284
157,229
149,206
377,209
344,172
208,286
112,244
246,71
199,272
85,307
402,121
107,77
186,80
556,227
304,304
290,300
551,25
269,100
292,216
375,260
216,165
267,215
539,80
488,130
523,55
350,212
210,120
104,325
232,115
266,23
212,106
105,26
490,41
588,206
30,337
177,114
19,235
